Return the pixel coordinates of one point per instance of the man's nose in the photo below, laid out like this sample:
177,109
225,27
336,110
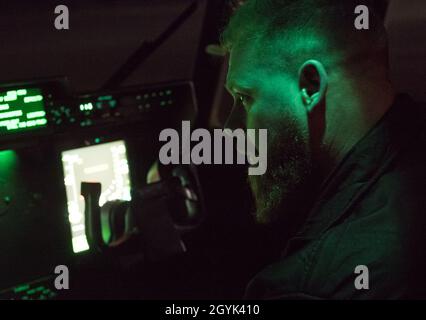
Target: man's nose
236,119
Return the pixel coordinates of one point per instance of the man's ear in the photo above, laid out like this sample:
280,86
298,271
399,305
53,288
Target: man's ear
313,83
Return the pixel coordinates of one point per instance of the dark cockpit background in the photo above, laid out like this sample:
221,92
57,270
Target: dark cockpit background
229,248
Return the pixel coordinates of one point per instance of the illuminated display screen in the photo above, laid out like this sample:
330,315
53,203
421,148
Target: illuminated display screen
104,163
21,110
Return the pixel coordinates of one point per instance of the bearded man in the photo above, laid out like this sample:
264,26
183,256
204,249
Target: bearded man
346,162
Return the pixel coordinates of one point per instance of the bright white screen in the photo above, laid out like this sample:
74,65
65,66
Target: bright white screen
104,163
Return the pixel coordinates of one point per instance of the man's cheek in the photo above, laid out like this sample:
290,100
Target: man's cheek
258,116
261,117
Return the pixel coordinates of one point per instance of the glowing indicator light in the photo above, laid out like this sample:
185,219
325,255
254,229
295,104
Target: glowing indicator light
86,106
105,98
22,288
33,99
103,163
36,114
11,114
22,109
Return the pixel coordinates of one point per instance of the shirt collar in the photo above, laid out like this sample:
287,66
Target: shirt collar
360,168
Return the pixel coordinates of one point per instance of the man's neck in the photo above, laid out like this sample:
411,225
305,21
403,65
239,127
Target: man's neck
364,113
355,120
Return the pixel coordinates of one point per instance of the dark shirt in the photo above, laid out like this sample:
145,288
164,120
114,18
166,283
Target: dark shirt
371,212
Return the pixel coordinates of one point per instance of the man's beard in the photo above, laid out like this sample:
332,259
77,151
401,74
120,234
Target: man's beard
281,192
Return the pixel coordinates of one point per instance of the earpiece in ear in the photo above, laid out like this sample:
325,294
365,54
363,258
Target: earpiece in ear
306,98
315,96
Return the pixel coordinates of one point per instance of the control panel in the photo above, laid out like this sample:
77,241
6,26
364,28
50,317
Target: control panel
44,108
